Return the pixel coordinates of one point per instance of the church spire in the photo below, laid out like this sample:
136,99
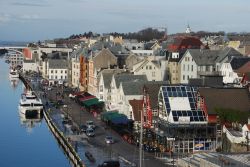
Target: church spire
188,29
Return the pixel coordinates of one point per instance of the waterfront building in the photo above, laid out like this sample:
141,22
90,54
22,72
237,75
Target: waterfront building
56,71
15,58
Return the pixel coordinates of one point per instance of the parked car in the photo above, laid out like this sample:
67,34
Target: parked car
90,124
83,128
90,132
110,164
109,139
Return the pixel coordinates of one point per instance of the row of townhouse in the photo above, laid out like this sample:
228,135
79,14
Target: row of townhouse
188,58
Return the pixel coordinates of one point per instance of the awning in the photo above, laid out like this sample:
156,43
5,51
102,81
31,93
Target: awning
91,102
120,120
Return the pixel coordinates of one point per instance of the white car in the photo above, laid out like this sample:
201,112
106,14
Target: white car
109,140
90,124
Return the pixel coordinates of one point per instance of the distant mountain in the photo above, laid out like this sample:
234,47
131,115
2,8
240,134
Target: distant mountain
13,43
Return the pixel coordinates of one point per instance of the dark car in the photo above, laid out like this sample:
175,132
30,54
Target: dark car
110,164
83,128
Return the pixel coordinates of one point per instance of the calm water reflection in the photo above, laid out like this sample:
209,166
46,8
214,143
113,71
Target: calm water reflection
24,142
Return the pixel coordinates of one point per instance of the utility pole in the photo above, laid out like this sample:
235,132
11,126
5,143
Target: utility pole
247,140
141,135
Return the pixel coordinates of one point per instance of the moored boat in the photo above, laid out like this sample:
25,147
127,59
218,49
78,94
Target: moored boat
14,74
30,104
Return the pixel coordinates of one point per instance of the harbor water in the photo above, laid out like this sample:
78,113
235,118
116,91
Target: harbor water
24,142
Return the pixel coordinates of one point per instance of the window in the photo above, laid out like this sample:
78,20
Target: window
192,68
61,77
61,71
55,77
183,77
183,67
52,71
188,67
146,67
153,74
101,96
150,67
65,71
55,71
101,88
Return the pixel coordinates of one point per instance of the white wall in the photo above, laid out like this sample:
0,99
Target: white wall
149,69
228,75
75,73
188,68
30,67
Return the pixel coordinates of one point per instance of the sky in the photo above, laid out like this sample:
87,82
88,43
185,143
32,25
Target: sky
33,20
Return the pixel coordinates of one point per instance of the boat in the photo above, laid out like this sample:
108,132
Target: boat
89,156
29,122
14,73
30,104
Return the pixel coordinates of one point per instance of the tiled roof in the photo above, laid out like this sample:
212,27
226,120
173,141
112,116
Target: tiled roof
226,98
57,64
184,42
137,108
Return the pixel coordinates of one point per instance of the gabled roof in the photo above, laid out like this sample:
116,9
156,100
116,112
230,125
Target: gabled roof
237,62
226,98
245,67
132,88
104,51
153,88
204,56
184,42
107,75
129,77
145,61
227,52
137,108
57,64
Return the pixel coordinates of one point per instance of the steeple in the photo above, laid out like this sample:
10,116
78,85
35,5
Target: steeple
188,29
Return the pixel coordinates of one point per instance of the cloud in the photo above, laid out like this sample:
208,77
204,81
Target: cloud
29,17
29,4
4,18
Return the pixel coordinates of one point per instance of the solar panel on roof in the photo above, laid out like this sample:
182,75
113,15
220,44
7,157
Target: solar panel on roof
183,91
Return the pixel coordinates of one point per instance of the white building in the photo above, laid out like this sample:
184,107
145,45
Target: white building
151,68
116,80
228,69
30,65
56,70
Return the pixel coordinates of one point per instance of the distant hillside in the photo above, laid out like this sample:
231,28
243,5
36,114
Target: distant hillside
13,43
